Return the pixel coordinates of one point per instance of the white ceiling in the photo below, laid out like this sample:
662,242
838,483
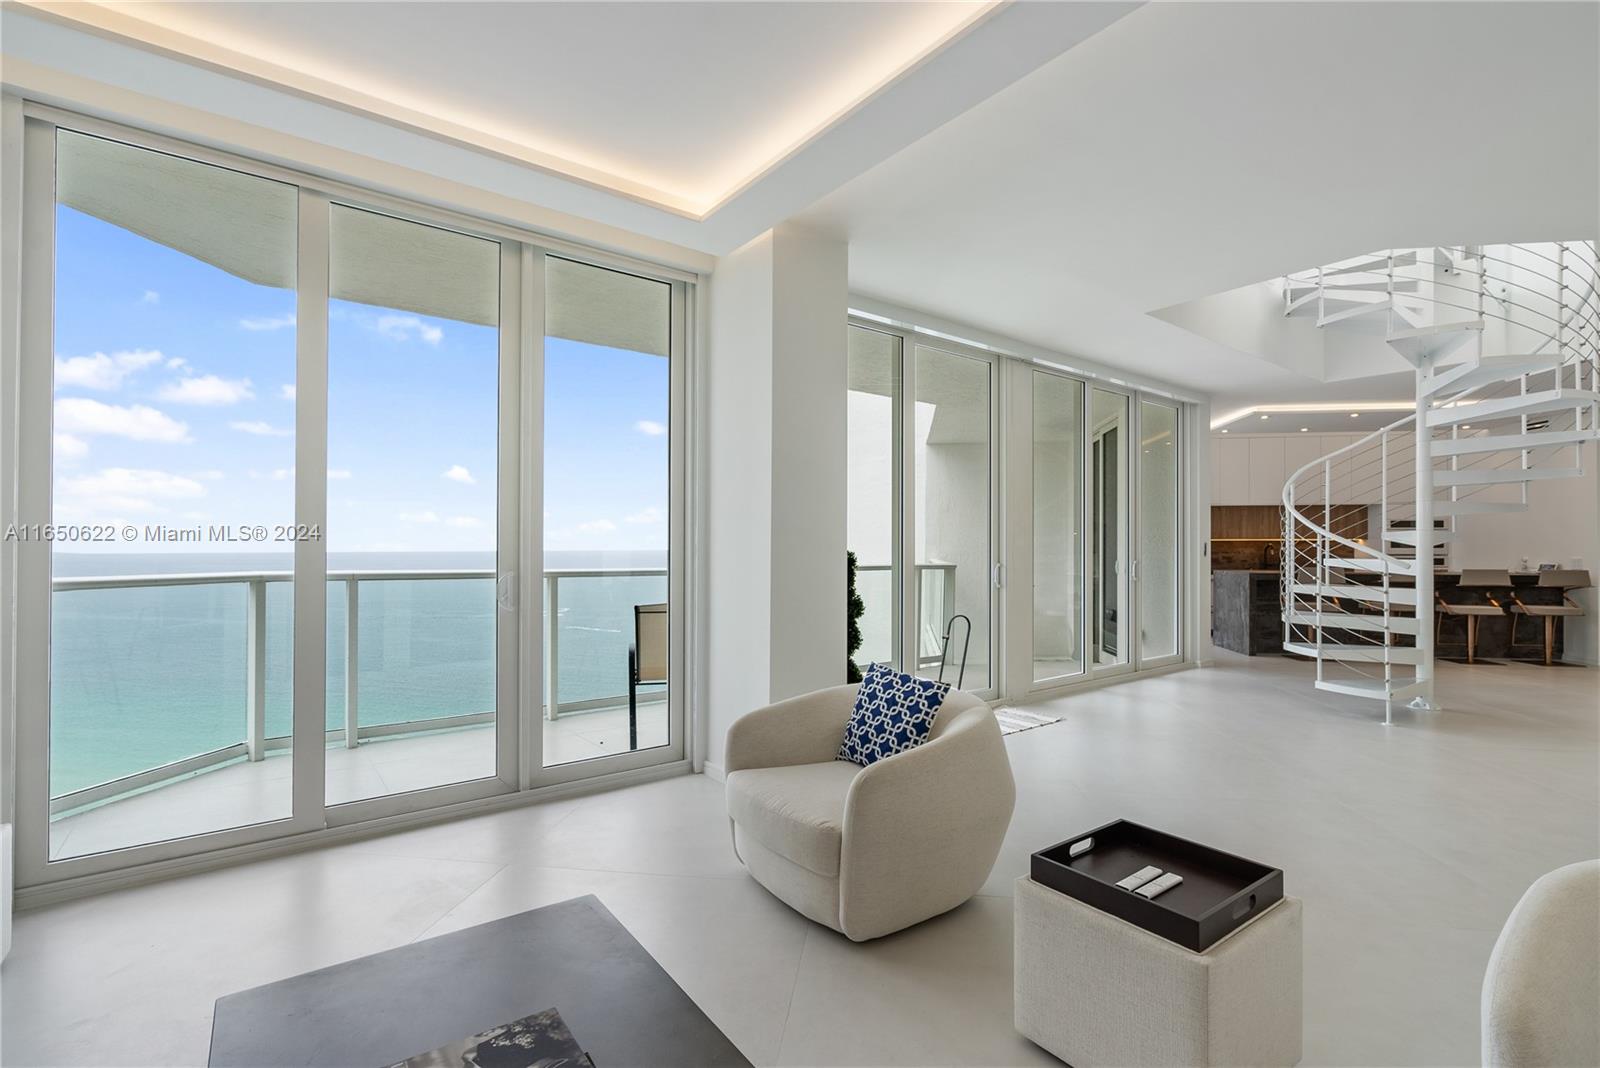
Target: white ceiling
1191,148
697,124
679,103
1048,172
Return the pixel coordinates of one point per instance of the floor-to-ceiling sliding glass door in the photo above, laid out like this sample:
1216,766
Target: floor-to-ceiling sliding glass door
281,441
951,420
415,437
1057,504
922,487
1109,567
872,487
1158,574
612,437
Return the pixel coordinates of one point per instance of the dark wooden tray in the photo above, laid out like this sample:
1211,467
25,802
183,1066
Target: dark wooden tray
1219,893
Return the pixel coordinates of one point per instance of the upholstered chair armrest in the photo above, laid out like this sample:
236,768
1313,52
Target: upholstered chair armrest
922,828
802,730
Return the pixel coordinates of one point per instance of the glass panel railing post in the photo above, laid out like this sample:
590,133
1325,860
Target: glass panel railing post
255,672
552,646
352,657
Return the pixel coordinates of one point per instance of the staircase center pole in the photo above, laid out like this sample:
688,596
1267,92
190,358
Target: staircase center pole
1425,548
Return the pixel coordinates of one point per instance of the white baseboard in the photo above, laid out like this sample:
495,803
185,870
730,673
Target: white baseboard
714,772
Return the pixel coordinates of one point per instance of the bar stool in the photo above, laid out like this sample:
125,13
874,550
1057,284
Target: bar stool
1482,578
1564,581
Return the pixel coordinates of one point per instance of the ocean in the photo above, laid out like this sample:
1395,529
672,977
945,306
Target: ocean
142,677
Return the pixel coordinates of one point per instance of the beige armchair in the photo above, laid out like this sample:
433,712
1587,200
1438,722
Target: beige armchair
867,851
1543,981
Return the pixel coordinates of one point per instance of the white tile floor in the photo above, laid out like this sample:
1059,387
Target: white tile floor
243,793
1409,845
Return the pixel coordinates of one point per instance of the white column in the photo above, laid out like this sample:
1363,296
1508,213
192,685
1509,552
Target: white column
774,476
1424,557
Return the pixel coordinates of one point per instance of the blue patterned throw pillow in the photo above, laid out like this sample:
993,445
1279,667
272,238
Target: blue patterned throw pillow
893,713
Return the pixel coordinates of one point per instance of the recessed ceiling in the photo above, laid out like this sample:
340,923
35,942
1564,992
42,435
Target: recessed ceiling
1189,149
679,104
1357,417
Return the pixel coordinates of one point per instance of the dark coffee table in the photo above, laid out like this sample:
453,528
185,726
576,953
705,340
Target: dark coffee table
575,957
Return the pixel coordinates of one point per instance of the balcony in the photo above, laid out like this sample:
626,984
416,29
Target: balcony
171,711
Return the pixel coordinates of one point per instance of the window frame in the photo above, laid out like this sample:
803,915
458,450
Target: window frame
519,777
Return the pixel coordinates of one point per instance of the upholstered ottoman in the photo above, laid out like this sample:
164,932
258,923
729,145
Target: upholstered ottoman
1096,990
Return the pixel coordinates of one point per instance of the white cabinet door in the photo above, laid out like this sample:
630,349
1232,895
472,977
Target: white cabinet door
1266,459
1230,462
1300,450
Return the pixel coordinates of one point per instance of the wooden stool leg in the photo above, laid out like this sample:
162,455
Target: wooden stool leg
1549,638
1472,637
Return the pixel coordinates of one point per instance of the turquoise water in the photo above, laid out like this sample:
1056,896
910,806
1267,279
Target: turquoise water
143,677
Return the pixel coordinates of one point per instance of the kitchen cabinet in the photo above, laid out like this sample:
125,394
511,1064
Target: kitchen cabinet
1266,469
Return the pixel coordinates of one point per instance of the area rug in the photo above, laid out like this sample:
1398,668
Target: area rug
1013,720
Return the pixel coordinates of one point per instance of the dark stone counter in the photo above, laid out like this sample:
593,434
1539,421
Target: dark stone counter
1246,615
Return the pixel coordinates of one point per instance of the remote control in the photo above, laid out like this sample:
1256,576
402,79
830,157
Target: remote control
1139,878
1160,886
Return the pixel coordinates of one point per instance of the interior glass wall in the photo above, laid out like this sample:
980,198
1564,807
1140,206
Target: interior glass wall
608,493
1159,531
173,479
953,440
413,435
1057,526
873,489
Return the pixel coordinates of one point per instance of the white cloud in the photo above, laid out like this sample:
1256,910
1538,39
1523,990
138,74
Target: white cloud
210,475
457,473
267,322
418,517
286,391
651,427
406,328
645,516
207,390
464,522
261,429
338,473
150,297
80,415
177,362
126,489
70,448
279,474
101,371
597,526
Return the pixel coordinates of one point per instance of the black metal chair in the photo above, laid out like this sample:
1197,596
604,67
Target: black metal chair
647,660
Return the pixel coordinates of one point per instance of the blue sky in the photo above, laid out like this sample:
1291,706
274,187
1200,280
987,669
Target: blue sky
175,400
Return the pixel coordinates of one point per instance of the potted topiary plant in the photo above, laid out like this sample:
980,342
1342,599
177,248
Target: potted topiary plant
853,612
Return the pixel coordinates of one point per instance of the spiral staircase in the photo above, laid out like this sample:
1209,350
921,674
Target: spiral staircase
1505,342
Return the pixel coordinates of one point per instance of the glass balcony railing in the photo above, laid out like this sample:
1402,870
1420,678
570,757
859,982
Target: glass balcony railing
157,677
936,603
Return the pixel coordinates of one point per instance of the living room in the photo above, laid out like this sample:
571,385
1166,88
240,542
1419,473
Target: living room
860,533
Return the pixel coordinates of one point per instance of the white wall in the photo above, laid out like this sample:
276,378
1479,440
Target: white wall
774,499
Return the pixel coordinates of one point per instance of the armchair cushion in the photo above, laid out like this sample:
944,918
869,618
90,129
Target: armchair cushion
796,811
893,712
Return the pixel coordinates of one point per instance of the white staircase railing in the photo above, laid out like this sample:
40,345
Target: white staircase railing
1505,341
